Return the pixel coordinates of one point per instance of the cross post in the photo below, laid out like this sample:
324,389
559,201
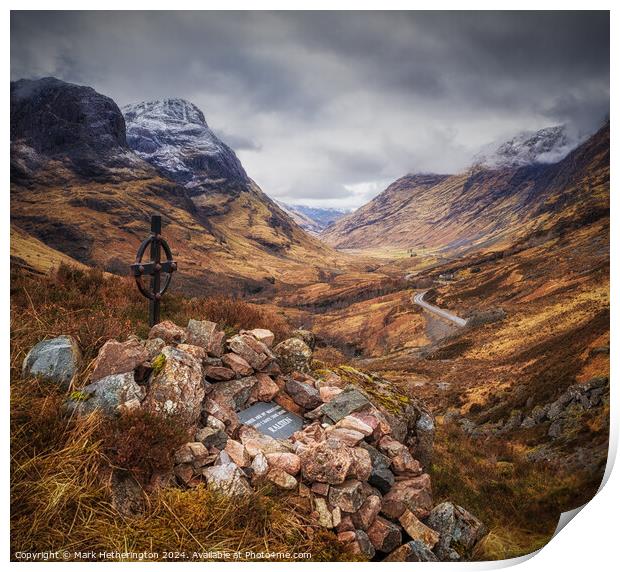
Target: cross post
156,276
154,269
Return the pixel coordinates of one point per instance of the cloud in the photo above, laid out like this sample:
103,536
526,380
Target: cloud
329,107
238,142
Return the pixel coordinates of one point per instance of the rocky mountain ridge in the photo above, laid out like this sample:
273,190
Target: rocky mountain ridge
173,136
547,145
55,120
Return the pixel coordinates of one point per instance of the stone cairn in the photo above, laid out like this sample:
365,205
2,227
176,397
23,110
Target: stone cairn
360,460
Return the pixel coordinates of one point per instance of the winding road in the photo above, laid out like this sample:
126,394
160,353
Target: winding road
419,300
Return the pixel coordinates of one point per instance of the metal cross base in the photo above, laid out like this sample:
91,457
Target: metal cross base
154,269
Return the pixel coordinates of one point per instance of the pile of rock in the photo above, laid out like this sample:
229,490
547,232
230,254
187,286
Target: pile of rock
560,416
575,400
488,316
358,462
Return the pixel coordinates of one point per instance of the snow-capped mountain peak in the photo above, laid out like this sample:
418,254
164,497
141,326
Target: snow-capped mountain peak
173,135
548,145
174,109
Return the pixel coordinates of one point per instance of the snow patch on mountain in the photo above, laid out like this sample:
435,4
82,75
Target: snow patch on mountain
548,145
173,135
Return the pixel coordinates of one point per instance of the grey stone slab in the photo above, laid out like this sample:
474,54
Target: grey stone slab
344,403
271,419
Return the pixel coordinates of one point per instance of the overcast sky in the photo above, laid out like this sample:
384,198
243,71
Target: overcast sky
324,108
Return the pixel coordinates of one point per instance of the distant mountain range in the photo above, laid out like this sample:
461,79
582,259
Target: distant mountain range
85,176
313,219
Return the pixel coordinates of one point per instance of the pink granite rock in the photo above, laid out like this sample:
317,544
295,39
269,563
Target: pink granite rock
118,357
384,535
367,513
267,388
413,494
347,496
328,392
219,373
237,364
262,335
169,332
326,462
418,530
282,479
238,453
288,462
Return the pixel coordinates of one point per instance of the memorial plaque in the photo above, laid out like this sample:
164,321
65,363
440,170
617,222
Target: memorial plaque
271,419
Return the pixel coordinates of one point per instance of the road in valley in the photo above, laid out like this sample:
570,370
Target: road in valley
419,300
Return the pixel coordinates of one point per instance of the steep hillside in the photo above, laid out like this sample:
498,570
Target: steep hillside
32,254
484,207
522,392
54,120
78,187
524,253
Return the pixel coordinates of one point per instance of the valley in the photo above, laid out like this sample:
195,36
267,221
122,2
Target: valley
485,294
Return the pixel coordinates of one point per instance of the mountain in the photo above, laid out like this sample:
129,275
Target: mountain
484,207
313,219
55,120
173,135
85,186
547,145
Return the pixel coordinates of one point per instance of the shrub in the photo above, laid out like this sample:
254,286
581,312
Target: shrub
37,427
87,281
329,356
141,442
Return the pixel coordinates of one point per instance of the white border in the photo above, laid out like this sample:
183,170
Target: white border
589,541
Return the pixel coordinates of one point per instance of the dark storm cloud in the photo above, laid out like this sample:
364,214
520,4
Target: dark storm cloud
328,107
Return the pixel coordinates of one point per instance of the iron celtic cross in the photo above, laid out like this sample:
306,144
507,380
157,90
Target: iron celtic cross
154,268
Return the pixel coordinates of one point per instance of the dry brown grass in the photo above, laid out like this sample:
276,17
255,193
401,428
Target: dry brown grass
72,301
54,468
60,499
328,356
94,308
518,500
142,443
230,313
